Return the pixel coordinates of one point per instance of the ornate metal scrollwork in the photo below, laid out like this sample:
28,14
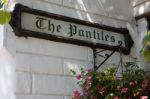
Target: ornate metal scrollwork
105,56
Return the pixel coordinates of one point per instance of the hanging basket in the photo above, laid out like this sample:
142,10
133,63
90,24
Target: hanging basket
131,84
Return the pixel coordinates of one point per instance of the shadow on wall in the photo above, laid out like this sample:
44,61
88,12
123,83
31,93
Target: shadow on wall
141,9
107,12
101,10
6,75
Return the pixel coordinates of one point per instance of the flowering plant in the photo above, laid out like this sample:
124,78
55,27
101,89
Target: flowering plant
4,15
133,84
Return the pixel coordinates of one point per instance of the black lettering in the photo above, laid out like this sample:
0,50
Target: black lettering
81,33
88,34
94,34
106,37
58,28
39,23
119,42
112,38
51,27
73,30
98,36
102,35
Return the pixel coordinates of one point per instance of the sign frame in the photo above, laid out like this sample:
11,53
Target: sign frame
19,31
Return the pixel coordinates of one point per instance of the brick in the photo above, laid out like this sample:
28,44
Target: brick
22,62
24,97
48,7
68,97
6,74
104,8
110,20
70,85
38,63
45,64
54,1
93,6
24,2
73,4
23,83
48,84
56,9
90,55
38,97
73,13
119,9
64,50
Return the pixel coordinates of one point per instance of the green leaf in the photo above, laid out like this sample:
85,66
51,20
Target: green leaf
4,17
146,54
4,1
109,96
73,72
1,5
146,39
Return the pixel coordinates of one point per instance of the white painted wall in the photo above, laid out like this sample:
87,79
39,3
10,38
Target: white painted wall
142,31
42,67
7,64
141,7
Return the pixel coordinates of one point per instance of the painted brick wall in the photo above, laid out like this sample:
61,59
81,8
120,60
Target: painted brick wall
42,67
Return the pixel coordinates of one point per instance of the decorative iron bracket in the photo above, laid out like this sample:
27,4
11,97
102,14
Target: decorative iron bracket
106,56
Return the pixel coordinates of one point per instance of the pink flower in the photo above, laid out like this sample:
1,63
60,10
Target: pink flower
124,90
90,70
79,76
144,97
102,90
118,86
144,84
95,97
88,82
83,92
89,78
116,97
131,83
92,96
76,93
136,94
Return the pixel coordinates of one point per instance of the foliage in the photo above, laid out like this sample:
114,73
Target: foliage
2,2
146,47
132,84
4,15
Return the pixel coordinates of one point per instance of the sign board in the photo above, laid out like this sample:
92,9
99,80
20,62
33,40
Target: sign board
36,23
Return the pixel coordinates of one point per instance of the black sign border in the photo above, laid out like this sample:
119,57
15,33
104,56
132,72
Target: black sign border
16,25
